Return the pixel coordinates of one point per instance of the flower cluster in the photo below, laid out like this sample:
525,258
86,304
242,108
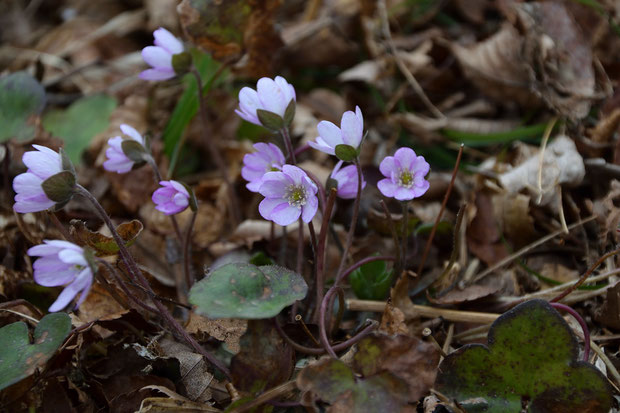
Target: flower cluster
289,192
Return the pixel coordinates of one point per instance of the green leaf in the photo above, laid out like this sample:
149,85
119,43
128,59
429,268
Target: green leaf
21,96
187,106
19,358
371,281
345,152
270,120
80,122
334,382
59,187
241,290
529,365
486,139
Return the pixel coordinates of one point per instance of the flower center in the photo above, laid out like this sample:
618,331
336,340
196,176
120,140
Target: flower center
405,179
296,196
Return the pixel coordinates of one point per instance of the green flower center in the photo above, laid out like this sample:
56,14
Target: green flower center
296,195
405,179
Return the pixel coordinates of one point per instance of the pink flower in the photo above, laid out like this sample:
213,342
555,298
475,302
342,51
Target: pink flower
41,164
288,194
62,263
172,198
159,57
350,132
117,160
268,157
273,95
347,180
404,174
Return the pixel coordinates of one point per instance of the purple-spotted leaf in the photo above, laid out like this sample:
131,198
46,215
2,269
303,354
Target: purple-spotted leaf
19,358
530,365
241,290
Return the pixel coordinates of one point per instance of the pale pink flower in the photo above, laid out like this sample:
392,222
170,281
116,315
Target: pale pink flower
62,263
350,132
41,164
172,198
159,57
267,158
273,95
346,179
117,160
405,175
289,194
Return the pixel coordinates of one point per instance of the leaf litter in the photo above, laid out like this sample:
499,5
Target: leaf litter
540,208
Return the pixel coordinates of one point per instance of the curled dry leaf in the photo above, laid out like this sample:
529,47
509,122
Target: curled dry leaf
195,374
228,330
228,29
562,165
546,60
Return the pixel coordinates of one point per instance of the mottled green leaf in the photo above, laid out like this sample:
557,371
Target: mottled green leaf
21,96
530,365
333,382
241,290
80,122
19,358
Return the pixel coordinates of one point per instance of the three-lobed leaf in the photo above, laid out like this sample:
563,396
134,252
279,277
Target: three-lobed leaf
530,364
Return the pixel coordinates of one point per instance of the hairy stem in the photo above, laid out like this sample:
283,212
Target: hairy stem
286,137
320,252
141,280
405,229
187,242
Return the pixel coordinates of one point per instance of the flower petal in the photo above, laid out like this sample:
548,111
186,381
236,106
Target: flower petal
267,205
351,129
309,210
388,166
132,133
387,187
42,163
271,96
166,40
157,57
285,214
330,133
157,74
406,157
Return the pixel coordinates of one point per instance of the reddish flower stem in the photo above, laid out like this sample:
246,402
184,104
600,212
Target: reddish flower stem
141,280
582,323
427,247
320,251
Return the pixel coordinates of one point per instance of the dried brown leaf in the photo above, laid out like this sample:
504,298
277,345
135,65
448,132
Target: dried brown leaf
228,330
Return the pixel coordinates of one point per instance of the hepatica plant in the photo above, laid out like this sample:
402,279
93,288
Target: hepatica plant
289,195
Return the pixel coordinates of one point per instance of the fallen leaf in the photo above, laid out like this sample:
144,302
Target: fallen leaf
228,330
265,359
410,359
